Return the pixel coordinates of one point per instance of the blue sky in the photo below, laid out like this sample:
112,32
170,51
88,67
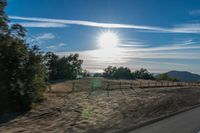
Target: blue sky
155,34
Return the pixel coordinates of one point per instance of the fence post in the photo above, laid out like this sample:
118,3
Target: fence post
92,85
49,87
120,85
131,85
148,84
140,84
107,88
73,86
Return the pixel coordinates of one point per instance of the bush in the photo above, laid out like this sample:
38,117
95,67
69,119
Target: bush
164,76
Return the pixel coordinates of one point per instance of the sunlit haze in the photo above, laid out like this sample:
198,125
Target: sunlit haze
140,34
108,40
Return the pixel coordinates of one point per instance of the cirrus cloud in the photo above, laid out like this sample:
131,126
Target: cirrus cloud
182,28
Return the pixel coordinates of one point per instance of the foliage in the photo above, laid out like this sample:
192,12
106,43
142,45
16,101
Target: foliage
143,74
97,75
22,71
85,73
117,73
164,76
3,18
63,68
125,73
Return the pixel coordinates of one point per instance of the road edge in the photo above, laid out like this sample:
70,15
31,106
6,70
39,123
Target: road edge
151,121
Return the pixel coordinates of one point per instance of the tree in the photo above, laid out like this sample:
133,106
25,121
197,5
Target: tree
125,73
117,73
109,72
143,74
122,73
51,62
73,65
85,73
63,68
3,18
165,77
22,71
98,75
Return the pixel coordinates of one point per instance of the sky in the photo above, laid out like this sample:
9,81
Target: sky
154,34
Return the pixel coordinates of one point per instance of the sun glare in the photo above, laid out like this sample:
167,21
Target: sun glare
108,40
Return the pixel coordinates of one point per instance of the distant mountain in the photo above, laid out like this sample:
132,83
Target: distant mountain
183,75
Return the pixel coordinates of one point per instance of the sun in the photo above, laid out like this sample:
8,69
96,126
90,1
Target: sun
108,40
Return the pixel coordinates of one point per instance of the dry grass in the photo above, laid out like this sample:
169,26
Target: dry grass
73,112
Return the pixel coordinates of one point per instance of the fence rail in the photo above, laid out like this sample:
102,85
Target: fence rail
109,85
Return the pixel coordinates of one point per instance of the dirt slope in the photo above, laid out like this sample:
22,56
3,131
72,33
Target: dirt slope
74,112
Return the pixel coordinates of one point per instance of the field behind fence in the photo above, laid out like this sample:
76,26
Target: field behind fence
94,84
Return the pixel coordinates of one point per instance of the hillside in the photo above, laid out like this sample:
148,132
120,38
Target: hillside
78,112
184,75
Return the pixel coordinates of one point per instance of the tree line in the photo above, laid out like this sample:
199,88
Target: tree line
125,73
112,72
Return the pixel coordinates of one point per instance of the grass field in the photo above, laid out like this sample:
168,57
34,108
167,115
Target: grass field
72,107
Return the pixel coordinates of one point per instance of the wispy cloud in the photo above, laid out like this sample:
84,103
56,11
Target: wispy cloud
51,47
128,53
183,28
62,44
186,42
86,23
42,24
165,63
39,39
195,12
187,28
164,48
56,47
137,56
45,36
132,43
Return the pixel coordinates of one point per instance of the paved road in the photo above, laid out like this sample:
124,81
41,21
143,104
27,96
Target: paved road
187,122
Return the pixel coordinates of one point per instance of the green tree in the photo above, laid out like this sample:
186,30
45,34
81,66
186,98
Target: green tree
109,72
22,71
3,18
165,77
63,68
85,73
51,62
143,74
98,75
122,73
117,73
125,73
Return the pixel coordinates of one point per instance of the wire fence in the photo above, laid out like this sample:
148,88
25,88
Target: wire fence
93,85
